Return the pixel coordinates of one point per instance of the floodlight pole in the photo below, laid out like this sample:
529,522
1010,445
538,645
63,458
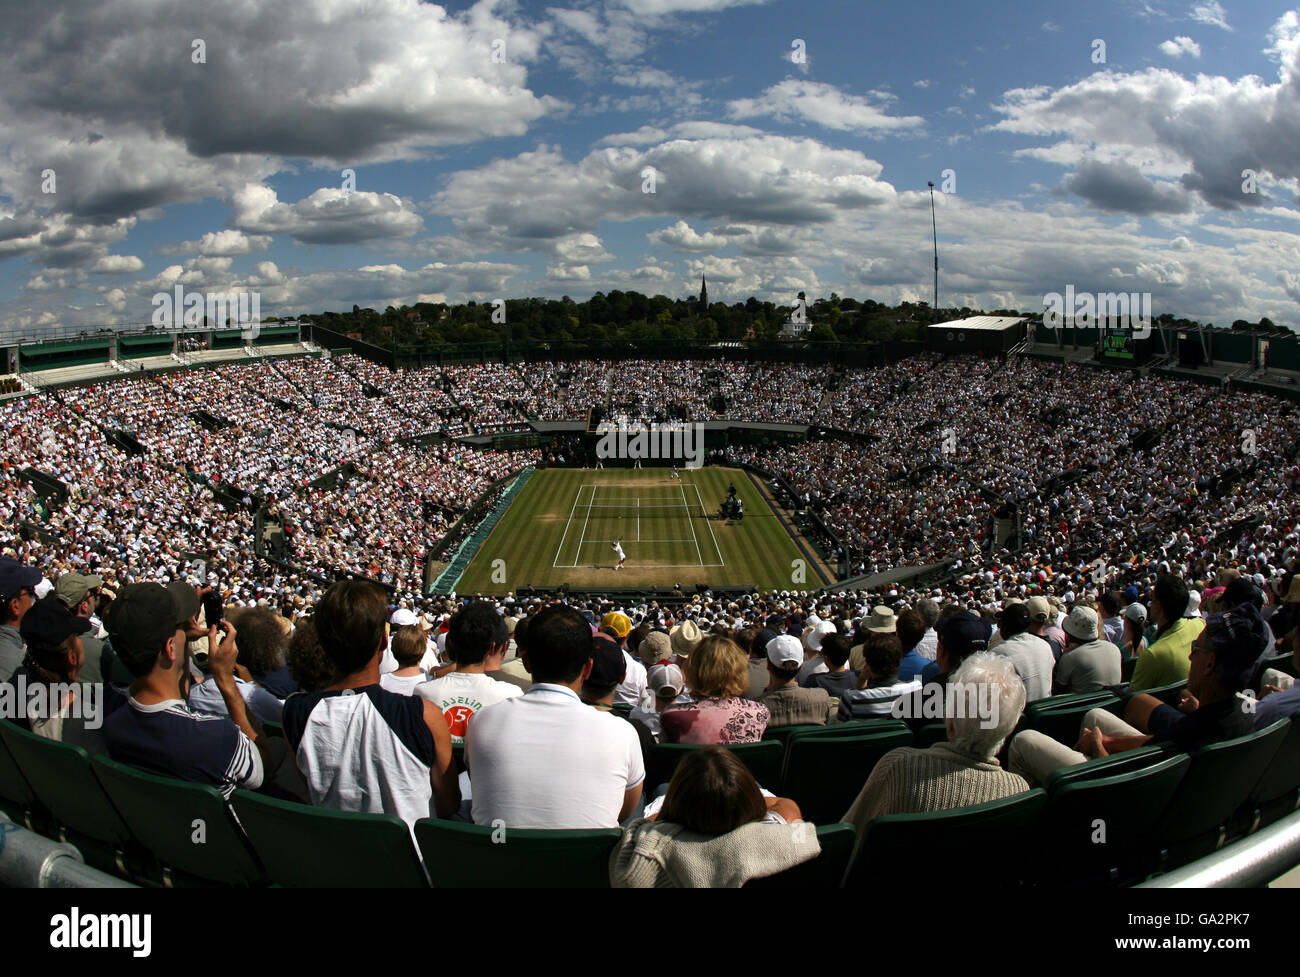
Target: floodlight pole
935,227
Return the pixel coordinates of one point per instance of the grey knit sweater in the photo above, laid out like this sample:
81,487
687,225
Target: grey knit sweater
910,781
659,855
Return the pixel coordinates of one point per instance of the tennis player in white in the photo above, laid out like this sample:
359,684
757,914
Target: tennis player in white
617,547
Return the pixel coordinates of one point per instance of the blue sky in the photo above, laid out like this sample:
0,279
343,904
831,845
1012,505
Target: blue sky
524,174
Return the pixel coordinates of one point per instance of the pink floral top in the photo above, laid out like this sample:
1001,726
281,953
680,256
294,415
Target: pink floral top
714,721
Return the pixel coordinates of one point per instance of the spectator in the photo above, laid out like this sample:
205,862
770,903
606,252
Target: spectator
879,685
632,690
69,711
961,634
911,630
881,621
1166,660
359,746
477,638
156,730
656,648
1111,620
17,594
718,675
608,670
306,660
1031,654
1090,662
263,640
837,679
1135,623
928,647
815,663
544,759
408,646
715,830
666,684
787,703
80,593
1221,664
965,769
753,643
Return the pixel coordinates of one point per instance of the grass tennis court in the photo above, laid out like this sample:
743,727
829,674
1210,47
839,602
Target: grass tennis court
561,528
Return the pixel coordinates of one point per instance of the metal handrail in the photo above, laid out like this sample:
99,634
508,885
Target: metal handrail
1252,862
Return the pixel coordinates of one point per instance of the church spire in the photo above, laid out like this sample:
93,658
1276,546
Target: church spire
704,294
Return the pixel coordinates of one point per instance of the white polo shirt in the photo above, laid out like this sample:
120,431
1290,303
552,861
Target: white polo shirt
545,759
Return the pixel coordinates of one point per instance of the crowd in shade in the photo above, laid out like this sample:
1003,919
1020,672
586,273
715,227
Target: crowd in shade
553,707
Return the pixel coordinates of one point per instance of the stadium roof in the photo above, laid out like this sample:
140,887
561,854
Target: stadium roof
993,323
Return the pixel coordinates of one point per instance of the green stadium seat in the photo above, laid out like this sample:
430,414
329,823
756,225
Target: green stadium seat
622,709
957,844
854,727
365,850
1278,792
1101,822
764,760
188,827
1060,716
82,813
273,729
1283,663
783,733
17,798
1107,766
472,856
826,871
1126,669
1220,777
825,774
929,734
1168,694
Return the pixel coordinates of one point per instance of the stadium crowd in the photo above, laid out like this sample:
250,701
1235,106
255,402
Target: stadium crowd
1180,555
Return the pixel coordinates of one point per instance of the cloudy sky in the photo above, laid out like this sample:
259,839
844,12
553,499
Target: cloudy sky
327,153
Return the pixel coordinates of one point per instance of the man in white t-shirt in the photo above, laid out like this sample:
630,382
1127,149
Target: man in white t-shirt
1031,655
477,639
634,689
545,759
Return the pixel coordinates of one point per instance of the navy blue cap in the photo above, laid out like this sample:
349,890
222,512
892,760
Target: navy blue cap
964,634
14,576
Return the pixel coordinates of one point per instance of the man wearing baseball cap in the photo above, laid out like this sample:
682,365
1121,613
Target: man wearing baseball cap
71,712
79,592
789,704
632,689
18,584
156,730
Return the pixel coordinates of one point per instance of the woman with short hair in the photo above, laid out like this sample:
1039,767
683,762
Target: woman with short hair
717,674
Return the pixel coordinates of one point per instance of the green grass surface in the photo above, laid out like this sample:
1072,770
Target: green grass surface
559,530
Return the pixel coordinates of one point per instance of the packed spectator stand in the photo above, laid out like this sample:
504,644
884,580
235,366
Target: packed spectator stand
934,440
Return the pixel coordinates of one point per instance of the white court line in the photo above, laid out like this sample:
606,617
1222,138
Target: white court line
716,548
555,564
686,506
638,520
589,541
